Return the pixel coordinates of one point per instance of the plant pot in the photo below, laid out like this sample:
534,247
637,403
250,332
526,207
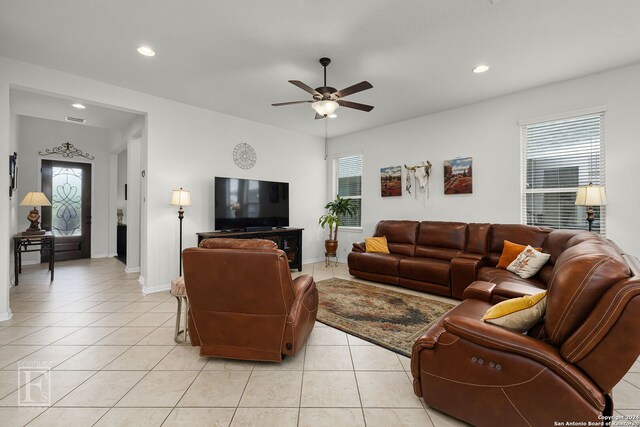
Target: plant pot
331,246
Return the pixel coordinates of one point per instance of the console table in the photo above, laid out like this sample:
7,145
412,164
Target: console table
24,243
287,239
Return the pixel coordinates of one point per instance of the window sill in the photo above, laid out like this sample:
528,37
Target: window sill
350,229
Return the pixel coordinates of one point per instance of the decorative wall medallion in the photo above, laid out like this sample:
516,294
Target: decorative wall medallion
244,155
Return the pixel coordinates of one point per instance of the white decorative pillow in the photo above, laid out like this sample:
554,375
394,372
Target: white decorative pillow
528,263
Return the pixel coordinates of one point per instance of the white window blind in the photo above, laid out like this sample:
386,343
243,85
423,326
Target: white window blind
559,156
349,180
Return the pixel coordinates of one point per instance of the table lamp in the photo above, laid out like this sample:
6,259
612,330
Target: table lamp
181,198
590,196
34,198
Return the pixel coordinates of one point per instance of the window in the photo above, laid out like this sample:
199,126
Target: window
559,156
349,180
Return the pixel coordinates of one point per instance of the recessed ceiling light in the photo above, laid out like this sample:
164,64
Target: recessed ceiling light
333,116
480,68
78,106
146,51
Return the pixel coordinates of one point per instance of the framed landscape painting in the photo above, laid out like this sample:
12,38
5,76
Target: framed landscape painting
391,181
458,176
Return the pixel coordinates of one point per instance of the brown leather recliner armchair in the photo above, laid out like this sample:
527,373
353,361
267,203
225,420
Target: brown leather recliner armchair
563,370
243,302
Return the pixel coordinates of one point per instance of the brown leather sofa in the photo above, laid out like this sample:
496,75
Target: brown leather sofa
243,303
444,258
564,368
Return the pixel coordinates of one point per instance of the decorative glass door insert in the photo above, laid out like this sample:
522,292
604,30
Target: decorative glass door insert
68,187
66,201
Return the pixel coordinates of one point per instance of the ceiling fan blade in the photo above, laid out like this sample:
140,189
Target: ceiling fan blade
304,87
318,116
355,105
289,103
358,87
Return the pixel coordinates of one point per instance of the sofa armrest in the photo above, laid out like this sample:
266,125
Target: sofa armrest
497,338
479,290
464,270
301,283
359,247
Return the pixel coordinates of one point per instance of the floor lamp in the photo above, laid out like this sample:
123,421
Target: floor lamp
181,198
590,196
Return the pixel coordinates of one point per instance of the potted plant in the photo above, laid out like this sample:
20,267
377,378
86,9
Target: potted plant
336,209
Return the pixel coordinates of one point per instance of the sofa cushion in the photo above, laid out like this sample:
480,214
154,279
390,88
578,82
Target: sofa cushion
508,290
499,275
426,270
401,235
377,263
581,275
516,233
441,234
478,238
225,243
440,240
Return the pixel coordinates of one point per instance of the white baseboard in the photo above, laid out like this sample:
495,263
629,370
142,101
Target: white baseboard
112,255
156,289
93,256
6,316
141,280
30,262
132,269
314,260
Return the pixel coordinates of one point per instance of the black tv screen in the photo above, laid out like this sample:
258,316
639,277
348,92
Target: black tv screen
242,203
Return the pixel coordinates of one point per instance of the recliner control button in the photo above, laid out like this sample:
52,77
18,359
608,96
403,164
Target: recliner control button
499,367
474,359
480,361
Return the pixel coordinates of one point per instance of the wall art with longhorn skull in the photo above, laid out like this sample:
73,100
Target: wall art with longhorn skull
421,174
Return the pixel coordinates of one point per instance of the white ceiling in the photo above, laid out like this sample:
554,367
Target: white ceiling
236,56
26,103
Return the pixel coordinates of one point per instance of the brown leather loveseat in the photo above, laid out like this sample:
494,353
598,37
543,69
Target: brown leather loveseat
564,368
243,302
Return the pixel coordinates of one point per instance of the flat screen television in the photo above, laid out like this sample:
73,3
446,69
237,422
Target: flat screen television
249,203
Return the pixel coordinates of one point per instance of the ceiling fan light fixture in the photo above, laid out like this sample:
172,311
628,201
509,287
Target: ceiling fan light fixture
332,115
325,108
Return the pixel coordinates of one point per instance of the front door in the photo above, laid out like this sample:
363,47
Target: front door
68,186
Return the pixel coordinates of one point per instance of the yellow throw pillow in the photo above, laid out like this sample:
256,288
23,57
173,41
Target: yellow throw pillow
376,244
518,314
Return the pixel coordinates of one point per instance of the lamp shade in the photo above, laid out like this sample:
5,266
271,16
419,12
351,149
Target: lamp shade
324,108
181,197
591,195
35,198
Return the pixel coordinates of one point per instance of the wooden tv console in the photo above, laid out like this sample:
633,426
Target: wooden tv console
287,239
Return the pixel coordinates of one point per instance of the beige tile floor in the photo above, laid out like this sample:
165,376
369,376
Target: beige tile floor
114,362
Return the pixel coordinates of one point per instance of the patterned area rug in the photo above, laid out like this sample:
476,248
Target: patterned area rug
388,318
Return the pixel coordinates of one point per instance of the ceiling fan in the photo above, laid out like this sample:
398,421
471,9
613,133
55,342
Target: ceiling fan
327,99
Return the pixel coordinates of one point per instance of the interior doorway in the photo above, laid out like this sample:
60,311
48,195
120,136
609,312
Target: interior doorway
67,185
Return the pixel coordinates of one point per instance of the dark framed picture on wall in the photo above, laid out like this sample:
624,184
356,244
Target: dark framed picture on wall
458,176
125,191
13,173
391,181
